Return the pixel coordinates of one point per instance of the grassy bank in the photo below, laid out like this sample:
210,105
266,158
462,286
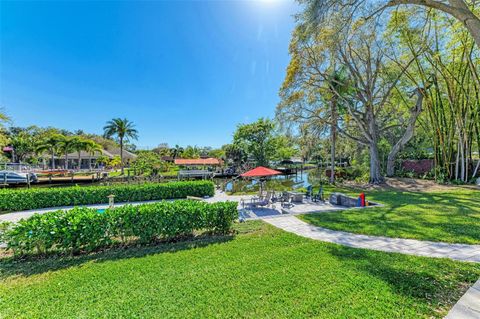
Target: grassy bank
262,272
450,216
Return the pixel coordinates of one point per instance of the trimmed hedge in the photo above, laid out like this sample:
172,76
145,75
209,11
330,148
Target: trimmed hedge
86,229
33,198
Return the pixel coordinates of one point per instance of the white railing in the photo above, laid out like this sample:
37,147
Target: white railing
16,167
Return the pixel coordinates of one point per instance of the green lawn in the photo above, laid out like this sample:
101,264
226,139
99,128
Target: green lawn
449,216
262,272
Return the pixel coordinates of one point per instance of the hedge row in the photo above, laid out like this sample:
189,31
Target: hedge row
86,229
33,198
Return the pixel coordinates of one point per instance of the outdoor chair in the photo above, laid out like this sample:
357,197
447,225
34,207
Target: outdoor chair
309,194
262,201
286,200
319,196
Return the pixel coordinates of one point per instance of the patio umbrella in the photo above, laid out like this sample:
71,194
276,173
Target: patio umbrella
261,171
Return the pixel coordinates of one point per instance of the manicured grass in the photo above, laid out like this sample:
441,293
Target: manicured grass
262,272
449,216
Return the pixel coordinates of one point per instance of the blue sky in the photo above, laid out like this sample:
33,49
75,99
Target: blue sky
185,72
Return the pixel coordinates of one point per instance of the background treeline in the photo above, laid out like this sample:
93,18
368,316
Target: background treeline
385,85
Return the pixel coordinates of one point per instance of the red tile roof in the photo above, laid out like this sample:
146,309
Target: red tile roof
197,161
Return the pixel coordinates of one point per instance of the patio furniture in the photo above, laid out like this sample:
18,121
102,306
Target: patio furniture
286,200
286,211
319,196
276,196
309,193
262,201
296,197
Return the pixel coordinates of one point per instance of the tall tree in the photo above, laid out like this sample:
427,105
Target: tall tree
176,151
91,147
338,87
191,152
451,66
372,78
67,145
123,130
257,139
83,144
465,12
50,143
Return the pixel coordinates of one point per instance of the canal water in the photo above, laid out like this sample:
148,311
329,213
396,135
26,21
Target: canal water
281,182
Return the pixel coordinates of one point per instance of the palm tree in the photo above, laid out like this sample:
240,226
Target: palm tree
338,88
4,118
124,130
83,144
91,147
177,151
68,144
50,143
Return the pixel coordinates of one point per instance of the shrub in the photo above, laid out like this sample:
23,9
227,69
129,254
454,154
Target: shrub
33,198
86,229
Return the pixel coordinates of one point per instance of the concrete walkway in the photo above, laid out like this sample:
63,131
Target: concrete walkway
468,307
460,252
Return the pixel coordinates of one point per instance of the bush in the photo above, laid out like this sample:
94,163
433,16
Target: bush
33,198
86,229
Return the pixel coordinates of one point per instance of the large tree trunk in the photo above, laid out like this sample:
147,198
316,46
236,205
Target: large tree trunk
375,172
79,160
465,15
333,136
66,160
476,169
414,113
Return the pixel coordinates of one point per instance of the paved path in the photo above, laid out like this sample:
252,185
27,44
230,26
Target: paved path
460,252
468,307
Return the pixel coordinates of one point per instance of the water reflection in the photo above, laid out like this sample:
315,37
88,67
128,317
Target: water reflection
282,182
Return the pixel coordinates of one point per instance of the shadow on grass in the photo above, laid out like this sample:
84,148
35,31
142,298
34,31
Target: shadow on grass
438,216
431,281
32,265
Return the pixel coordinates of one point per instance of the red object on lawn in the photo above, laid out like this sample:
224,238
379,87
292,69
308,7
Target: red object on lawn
362,199
260,171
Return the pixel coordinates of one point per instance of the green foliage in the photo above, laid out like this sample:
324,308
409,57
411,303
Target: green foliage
87,229
217,153
116,161
148,161
234,154
257,140
124,130
33,198
103,159
191,152
262,272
